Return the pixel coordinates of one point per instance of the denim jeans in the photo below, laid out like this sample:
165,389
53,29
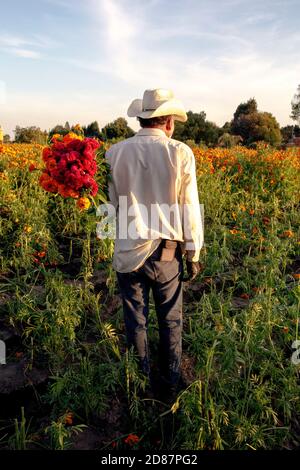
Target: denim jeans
165,280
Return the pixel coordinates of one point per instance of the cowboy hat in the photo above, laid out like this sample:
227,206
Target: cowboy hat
157,102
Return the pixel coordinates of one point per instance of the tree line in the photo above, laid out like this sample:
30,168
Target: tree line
247,126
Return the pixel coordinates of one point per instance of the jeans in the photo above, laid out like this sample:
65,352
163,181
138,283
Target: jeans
165,280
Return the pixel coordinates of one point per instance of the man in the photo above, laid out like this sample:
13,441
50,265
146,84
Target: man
154,191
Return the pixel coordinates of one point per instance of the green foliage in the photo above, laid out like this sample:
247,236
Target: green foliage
117,129
29,135
92,130
197,128
20,439
295,114
288,132
254,126
60,435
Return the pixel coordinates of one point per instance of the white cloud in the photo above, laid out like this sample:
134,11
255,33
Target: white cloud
26,47
25,53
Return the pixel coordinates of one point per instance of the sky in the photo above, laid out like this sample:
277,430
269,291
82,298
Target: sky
80,61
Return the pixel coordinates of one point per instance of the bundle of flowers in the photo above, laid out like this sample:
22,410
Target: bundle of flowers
70,167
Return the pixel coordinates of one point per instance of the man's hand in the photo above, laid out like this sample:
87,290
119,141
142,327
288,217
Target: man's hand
193,269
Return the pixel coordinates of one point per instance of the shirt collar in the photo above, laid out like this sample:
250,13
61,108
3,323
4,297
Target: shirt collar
151,131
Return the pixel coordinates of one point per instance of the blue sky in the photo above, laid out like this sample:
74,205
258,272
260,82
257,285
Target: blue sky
87,60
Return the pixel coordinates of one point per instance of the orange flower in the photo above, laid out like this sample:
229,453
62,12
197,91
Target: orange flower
27,228
285,329
49,184
251,211
296,275
63,190
56,137
244,296
234,231
73,193
69,418
83,203
131,439
70,136
287,233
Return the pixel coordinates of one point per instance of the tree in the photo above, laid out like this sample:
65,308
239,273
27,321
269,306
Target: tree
92,130
67,126
288,132
245,108
197,128
295,115
30,135
117,129
6,138
253,125
58,129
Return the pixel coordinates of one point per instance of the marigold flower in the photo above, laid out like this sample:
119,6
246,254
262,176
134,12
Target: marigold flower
51,164
244,296
69,417
296,275
287,233
50,185
83,203
131,439
70,136
55,137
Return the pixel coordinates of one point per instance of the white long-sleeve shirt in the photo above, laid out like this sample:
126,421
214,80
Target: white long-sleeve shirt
154,192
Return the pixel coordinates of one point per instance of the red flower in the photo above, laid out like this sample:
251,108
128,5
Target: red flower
131,439
32,167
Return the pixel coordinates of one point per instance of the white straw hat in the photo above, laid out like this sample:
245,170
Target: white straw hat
157,102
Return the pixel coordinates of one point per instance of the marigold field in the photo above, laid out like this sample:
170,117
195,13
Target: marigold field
70,382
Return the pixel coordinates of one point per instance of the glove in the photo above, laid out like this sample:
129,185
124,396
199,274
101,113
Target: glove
193,269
